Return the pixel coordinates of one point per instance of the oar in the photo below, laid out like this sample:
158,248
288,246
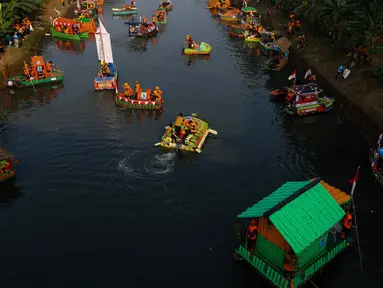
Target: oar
25,64
157,144
212,131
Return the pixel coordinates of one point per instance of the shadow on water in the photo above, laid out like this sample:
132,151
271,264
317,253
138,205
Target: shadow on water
19,99
137,116
9,191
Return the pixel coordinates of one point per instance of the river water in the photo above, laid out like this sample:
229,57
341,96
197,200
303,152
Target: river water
97,205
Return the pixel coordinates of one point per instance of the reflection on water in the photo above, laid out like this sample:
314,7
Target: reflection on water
70,46
95,187
13,100
136,115
9,192
191,60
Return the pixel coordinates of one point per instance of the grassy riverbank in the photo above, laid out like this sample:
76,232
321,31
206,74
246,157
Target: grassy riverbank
361,88
13,57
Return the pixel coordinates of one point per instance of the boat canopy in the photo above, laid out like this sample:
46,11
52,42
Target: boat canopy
249,9
4,154
104,46
283,44
292,208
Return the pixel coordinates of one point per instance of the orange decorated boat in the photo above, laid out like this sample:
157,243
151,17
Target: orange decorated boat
150,99
70,29
37,73
230,14
107,75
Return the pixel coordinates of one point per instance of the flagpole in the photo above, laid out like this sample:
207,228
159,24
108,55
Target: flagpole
356,224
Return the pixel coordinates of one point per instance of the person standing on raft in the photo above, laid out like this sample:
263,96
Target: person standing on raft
252,232
128,91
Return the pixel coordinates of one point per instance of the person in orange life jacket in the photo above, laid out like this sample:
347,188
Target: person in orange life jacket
312,78
347,224
298,26
289,97
137,87
289,266
252,232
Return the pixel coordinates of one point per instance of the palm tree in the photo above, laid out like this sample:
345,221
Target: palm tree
16,9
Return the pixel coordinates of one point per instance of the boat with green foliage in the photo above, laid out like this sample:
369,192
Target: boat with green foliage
6,171
298,232
68,29
187,133
126,10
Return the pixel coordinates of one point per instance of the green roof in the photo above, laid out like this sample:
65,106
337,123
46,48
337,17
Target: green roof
305,218
273,199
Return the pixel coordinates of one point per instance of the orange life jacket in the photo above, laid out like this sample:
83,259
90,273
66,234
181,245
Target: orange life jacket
347,220
252,232
289,267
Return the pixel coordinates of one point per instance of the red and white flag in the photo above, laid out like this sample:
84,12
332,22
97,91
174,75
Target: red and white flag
308,73
353,181
293,75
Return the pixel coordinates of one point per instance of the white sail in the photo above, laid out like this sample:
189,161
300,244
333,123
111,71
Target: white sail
104,45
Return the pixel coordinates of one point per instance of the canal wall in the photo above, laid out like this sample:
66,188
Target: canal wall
359,97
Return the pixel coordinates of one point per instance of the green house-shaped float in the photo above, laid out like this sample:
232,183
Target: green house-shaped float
299,220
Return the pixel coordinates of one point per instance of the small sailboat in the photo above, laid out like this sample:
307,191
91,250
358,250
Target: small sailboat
107,75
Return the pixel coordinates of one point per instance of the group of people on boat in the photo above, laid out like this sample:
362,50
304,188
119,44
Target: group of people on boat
69,29
131,6
182,128
104,71
41,73
159,17
155,96
164,4
254,29
190,43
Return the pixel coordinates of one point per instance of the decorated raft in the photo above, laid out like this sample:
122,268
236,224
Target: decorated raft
167,5
38,74
237,30
297,232
280,53
136,29
176,138
161,16
218,5
87,8
144,100
280,94
230,14
125,9
6,170
68,29
203,49
105,56
376,160
305,103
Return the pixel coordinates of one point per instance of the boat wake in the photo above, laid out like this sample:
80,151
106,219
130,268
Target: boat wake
135,165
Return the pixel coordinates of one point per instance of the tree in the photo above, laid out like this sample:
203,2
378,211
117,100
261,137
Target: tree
16,9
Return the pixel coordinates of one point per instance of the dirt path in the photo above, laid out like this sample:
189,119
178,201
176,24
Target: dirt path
13,57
